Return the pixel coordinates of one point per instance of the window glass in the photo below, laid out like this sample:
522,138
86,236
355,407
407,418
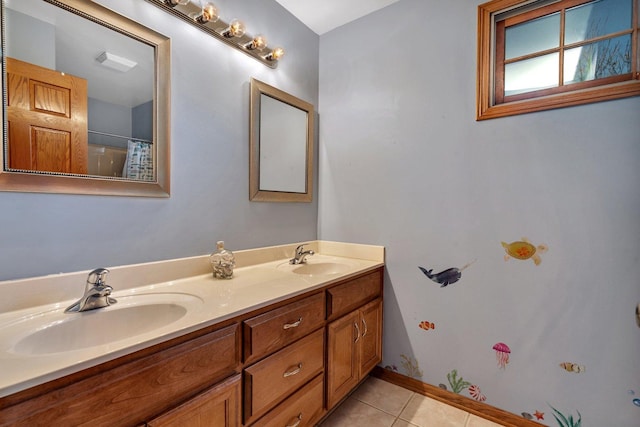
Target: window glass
606,58
531,74
597,19
532,36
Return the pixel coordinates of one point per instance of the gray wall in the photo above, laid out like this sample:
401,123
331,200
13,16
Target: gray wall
37,45
50,233
404,164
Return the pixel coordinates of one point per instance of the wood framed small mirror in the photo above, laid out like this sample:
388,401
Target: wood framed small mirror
281,146
86,101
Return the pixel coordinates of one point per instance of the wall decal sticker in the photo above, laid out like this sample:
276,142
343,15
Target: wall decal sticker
427,325
572,367
539,415
502,354
393,368
523,249
526,415
564,421
445,277
411,367
638,315
475,392
457,384
636,402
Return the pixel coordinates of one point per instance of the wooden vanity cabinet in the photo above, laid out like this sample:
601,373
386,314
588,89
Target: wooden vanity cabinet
133,389
354,341
217,407
300,357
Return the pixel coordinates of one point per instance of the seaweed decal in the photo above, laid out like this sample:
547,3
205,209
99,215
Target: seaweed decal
564,421
457,384
411,366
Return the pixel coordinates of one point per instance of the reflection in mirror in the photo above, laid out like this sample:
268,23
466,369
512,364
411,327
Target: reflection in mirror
281,139
86,101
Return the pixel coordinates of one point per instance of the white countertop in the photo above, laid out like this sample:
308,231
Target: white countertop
262,277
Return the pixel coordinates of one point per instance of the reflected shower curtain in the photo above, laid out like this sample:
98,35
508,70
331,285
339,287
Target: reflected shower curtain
139,162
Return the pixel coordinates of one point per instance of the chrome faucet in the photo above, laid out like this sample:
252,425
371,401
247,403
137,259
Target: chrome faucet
300,256
96,293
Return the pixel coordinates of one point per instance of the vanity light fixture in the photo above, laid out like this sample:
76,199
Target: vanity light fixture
204,15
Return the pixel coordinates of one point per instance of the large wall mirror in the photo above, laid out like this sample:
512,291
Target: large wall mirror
86,101
281,143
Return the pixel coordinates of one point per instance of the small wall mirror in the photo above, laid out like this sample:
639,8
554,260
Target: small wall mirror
86,101
281,143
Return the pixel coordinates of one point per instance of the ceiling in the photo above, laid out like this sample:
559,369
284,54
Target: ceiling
325,15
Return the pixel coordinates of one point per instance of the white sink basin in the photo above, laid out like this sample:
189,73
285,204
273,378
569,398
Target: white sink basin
56,331
320,267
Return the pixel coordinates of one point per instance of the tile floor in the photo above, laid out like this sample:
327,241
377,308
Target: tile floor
377,403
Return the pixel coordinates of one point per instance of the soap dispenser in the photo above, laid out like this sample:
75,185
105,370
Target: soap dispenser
222,262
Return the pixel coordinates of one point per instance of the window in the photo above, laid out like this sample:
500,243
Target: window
543,54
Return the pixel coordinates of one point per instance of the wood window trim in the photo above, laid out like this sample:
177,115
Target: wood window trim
576,95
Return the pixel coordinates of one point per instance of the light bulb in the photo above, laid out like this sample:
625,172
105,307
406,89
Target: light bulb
174,3
259,42
275,54
209,13
236,29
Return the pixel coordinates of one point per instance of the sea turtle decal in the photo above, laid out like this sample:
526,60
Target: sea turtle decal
523,249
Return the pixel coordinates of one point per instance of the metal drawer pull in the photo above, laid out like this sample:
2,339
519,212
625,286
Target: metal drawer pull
366,329
297,422
357,330
295,371
292,325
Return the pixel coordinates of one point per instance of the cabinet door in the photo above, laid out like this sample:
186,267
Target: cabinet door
371,336
217,407
342,357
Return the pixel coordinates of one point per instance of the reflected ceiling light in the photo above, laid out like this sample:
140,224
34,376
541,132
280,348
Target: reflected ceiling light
116,62
204,15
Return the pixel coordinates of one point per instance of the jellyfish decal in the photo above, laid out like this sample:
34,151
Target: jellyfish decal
502,354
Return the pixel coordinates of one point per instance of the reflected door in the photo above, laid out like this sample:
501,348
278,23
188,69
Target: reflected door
47,119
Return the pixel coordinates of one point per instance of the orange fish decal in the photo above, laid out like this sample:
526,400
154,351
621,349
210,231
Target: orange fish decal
572,367
427,325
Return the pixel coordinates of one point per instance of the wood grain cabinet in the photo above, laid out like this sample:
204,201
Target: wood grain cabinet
354,341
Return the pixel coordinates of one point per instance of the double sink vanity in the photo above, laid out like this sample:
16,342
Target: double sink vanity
276,345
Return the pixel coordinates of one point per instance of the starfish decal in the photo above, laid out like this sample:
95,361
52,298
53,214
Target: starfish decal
539,415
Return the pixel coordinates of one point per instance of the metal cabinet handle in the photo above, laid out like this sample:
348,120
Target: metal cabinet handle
292,325
293,372
358,331
366,329
297,422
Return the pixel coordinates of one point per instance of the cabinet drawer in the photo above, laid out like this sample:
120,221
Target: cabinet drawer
344,298
275,329
134,392
274,378
302,409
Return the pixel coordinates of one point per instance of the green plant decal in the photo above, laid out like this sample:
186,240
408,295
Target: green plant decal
411,367
457,384
564,421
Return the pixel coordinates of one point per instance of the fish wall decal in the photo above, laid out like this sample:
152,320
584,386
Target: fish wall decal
445,277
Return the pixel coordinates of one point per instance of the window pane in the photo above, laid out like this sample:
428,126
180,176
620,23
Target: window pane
597,18
605,58
532,36
531,74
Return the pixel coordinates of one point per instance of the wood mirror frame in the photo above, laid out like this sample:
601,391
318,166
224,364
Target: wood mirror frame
256,192
44,182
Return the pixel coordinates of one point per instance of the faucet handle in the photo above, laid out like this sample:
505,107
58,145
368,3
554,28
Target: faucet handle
300,249
100,276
